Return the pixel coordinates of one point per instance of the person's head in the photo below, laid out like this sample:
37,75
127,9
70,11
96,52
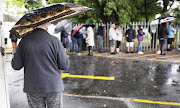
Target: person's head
164,25
118,27
113,26
44,26
140,27
170,23
73,27
130,26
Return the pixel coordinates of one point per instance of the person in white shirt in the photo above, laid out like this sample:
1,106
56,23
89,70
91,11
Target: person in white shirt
112,38
119,38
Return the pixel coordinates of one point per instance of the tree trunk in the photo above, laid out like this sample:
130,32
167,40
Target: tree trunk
165,5
145,7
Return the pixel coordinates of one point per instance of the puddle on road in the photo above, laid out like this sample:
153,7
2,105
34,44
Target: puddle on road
132,78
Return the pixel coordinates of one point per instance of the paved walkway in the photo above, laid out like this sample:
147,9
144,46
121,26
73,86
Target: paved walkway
173,56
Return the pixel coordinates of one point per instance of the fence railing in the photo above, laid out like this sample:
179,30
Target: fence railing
150,39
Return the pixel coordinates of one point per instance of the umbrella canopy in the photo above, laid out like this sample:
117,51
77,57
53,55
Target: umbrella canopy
77,29
51,13
89,24
67,24
162,19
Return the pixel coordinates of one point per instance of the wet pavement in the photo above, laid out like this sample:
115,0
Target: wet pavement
156,81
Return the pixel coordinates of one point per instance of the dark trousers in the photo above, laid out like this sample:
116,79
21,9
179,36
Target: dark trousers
118,43
48,100
84,45
90,49
163,45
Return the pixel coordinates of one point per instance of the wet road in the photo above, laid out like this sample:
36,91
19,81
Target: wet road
134,79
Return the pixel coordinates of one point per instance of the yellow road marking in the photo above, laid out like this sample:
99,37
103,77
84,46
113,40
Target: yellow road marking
156,102
142,56
87,77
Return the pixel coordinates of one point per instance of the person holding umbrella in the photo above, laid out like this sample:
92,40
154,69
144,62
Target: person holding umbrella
42,55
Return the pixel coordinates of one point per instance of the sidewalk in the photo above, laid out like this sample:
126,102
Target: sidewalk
173,56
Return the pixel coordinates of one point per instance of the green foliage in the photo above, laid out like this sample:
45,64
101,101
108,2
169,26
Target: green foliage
176,11
122,11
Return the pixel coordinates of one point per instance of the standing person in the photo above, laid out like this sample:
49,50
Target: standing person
163,35
78,37
112,38
90,40
130,36
100,34
84,33
170,36
14,40
43,57
119,38
64,39
140,38
73,39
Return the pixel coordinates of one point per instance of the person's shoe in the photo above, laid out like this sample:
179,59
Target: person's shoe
127,52
79,54
140,52
158,52
100,51
132,52
113,53
163,54
168,50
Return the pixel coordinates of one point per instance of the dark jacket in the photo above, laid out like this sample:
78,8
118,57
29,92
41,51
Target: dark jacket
64,37
163,33
131,34
100,30
13,37
42,57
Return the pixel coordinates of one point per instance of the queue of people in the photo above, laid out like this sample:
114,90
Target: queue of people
84,38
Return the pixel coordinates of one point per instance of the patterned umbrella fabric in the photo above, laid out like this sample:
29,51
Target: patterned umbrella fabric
51,13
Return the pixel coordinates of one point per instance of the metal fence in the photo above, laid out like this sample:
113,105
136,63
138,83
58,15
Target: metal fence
150,39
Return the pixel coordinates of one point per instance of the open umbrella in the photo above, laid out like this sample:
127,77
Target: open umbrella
162,19
89,24
67,24
51,13
77,29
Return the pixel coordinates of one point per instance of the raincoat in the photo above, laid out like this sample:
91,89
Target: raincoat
140,33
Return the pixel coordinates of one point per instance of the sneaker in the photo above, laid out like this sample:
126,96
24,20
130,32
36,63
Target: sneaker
132,52
158,52
127,52
163,54
79,54
140,52
113,53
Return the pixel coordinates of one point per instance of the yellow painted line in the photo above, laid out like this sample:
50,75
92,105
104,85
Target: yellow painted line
156,102
87,77
143,56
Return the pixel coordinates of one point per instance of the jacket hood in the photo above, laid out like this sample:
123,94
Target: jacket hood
130,26
140,27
